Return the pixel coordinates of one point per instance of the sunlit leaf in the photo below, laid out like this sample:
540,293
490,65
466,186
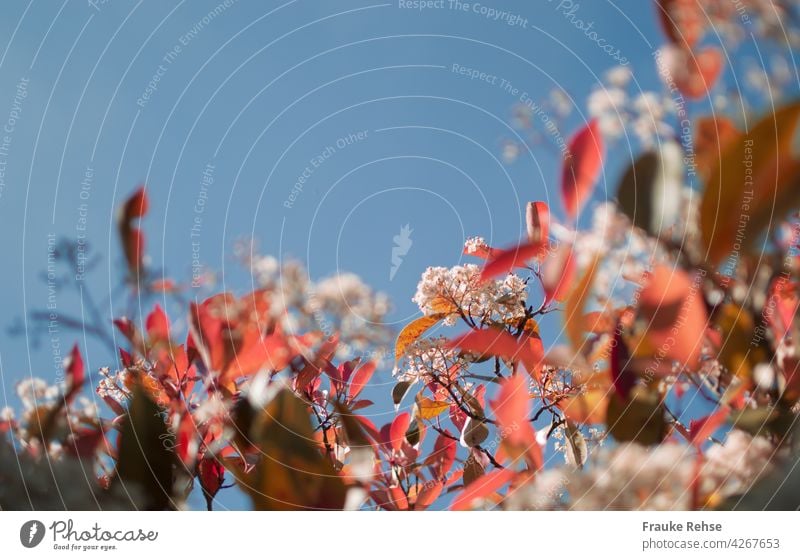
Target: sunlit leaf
412,331
558,273
428,408
360,378
756,178
576,303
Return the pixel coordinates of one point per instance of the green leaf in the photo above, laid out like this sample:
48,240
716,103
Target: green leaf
291,473
640,418
399,391
473,470
146,459
475,432
650,193
576,451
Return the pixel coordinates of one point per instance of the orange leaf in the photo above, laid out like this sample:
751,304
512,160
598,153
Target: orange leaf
512,410
712,137
672,304
581,167
576,304
412,331
756,175
429,408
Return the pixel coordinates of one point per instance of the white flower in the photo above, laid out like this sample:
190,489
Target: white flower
31,391
474,245
6,414
266,270
561,102
495,300
619,76
426,358
651,104
605,100
731,468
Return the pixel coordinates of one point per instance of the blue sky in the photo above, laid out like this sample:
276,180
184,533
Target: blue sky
261,92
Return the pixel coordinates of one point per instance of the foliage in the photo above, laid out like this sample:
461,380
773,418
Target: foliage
665,299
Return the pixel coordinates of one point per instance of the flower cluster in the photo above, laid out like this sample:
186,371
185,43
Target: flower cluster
341,303
632,476
460,287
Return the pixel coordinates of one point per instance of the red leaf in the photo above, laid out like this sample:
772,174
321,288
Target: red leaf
484,486
581,167
211,474
165,285
443,455
621,376
485,253
512,411
505,261
157,324
75,374
137,205
397,432
673,306
683,21
558,273
537,219
126,327
700,430
83,442
398,498
314,367
494,342
125,358
428,495
133,246
360,378
132,238
694,74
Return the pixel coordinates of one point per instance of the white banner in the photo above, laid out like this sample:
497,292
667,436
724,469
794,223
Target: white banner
357,535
